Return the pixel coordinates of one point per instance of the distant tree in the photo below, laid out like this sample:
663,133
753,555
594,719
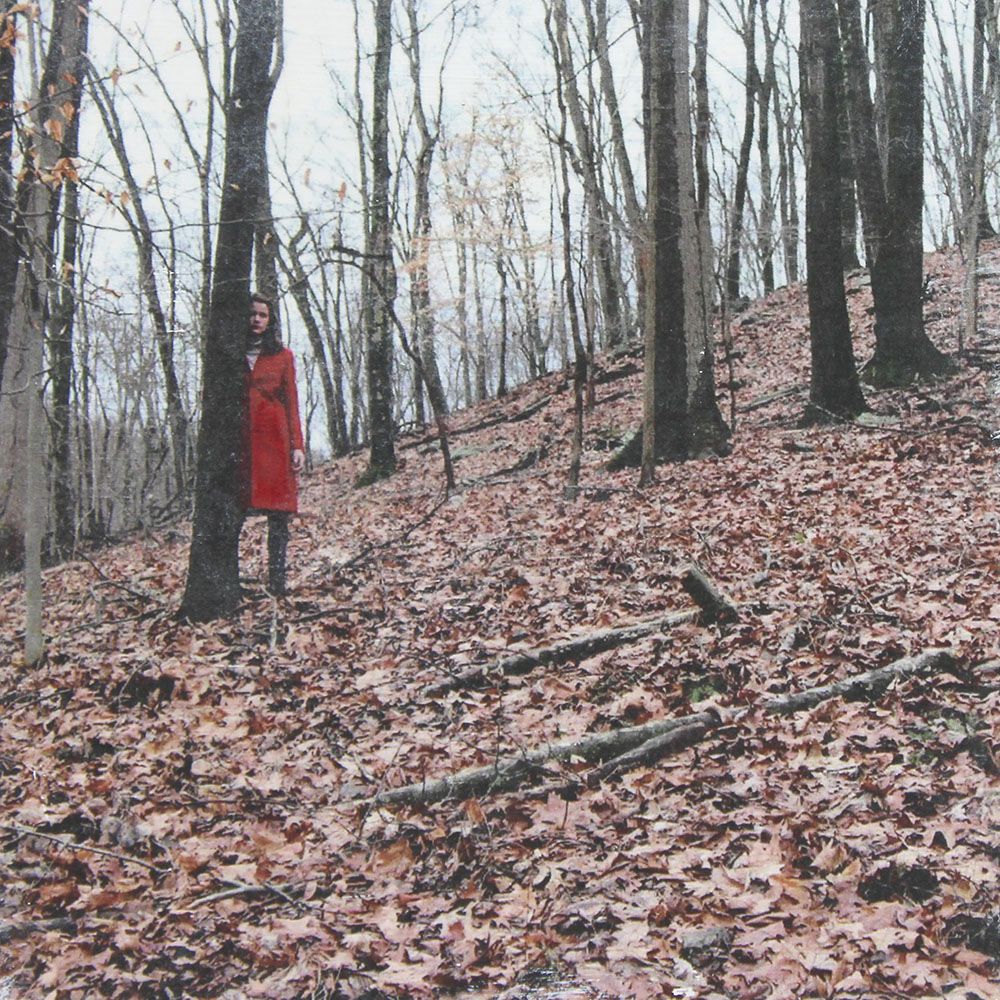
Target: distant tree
213,586
745,23
599,230
381,291
834,387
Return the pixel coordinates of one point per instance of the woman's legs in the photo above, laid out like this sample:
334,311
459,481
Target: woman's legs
277,544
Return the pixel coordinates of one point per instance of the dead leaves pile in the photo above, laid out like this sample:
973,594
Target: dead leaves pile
187,810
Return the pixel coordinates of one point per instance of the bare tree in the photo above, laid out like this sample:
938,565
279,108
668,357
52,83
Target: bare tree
381,294
891,183
681,417
213,589
834,387
23,432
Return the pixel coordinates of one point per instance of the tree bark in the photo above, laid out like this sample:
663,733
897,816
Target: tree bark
580,648
381,292
61,328
598,228
834,386
892,196
213,588
681,417
8,236
743,166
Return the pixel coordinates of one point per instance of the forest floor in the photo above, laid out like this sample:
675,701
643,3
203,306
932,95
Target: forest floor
190,811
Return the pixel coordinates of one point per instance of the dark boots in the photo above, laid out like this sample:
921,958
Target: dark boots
277,545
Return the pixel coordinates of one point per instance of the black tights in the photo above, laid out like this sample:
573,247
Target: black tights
277,544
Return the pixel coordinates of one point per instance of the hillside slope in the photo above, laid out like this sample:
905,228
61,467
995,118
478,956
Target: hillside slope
191,811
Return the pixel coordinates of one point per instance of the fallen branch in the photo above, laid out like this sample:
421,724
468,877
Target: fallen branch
24,831
240,889
482,425
580,648
871,684
506,775
635,746
373,547
772,397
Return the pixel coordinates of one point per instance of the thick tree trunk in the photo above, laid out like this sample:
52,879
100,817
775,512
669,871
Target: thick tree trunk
892,198
834,386
681,417
213,586
381,292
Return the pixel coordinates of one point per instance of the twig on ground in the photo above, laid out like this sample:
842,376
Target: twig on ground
24,831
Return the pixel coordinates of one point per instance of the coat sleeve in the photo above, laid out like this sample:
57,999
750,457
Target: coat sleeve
292,406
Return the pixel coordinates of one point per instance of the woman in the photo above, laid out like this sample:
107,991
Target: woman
272,452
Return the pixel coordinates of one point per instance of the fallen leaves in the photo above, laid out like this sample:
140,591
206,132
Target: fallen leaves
850,851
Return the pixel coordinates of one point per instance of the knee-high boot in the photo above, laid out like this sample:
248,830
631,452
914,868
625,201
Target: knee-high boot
277,545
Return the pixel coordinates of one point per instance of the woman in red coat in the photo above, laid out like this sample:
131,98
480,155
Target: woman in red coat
272,452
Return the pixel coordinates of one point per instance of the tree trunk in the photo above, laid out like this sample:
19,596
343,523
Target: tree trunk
213,586
892,197
981,92
381,272
22,408
766,87
61,328
146,249
298,285
597,224
633,210
834,387
420,285
24,441
681,417
563,73
743,167
8,237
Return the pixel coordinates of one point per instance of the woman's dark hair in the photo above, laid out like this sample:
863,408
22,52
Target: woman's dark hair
270,342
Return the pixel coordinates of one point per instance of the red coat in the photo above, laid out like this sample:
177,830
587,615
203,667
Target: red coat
271,432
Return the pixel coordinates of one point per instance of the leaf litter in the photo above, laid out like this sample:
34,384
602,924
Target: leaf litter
187,811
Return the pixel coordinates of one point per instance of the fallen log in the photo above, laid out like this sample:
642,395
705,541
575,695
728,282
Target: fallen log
715,606
503,776
871,684
636,746
580,648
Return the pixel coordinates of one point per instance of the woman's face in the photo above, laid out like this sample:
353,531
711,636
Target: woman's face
260,316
